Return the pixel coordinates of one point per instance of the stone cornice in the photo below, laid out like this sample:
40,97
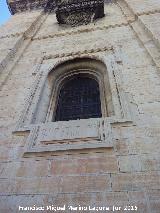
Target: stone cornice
16,6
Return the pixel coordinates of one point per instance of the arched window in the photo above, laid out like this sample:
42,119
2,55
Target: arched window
75,89
79,98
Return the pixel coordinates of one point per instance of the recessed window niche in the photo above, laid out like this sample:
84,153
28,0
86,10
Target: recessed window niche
73,106
77,71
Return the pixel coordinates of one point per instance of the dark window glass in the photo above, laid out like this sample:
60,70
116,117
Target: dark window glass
79,98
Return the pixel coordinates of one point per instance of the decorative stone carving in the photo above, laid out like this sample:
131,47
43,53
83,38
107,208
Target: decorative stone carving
68,135
70,12
86,129
75,12
64,7
16,6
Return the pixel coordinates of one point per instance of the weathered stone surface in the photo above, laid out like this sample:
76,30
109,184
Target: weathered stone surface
20,23
143,162
33,46
91,165
140,7
151,24
20,6
136,181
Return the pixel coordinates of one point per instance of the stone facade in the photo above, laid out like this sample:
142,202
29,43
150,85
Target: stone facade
108,161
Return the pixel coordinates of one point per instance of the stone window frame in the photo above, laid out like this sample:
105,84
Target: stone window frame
42,72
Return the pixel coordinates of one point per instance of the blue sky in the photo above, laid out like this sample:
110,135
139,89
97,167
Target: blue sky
4,12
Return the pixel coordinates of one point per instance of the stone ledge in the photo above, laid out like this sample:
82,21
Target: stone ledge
44,138
69,135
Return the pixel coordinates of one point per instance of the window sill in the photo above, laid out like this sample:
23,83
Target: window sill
70,135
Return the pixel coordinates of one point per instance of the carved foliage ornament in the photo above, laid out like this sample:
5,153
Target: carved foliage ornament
76,12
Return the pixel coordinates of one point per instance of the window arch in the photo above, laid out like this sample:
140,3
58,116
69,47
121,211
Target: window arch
79,98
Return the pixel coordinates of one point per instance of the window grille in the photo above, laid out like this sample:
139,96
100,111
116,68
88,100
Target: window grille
79,98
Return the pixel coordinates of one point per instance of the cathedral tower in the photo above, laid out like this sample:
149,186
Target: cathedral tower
80,106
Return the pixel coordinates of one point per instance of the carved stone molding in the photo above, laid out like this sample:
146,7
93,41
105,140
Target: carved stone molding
75,12
69,135
82,29
79,53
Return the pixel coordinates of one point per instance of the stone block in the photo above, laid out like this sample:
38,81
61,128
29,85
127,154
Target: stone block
150,162
37,185
135,181
130,163
154,200
18,24
121,146
139,199
140,7
11,203
33,169
69,184
136,196
87,183
116,198
152,108
7,186
83,198
143,145
143,162
106,164
10,153
151,24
